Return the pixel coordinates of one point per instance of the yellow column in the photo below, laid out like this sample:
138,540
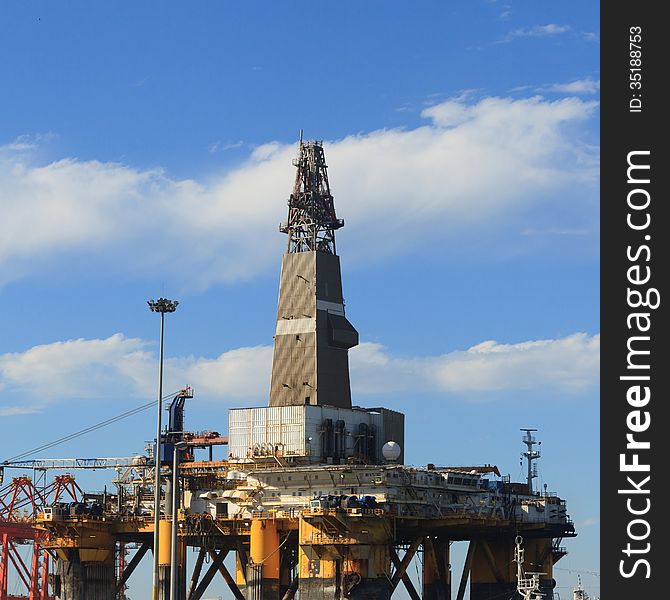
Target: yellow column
263,571
164,542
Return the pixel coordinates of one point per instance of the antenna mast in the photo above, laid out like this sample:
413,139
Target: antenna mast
530,455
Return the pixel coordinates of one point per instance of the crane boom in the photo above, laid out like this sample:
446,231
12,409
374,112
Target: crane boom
76,463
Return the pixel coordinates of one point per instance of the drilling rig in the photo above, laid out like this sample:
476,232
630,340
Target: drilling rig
314,500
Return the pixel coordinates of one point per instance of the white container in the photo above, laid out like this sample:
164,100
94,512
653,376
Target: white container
296,431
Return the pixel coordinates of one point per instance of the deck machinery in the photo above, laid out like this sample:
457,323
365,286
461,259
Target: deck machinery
314,500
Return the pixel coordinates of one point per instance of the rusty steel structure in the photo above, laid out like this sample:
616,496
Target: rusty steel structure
314,500
21,504
312,221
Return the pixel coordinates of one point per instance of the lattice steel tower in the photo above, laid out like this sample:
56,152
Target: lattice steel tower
310,363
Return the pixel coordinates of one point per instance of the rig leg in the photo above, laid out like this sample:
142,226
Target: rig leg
288,577
493,570
356,566
263,566
164,560
165,543
436,569
540,557
86,574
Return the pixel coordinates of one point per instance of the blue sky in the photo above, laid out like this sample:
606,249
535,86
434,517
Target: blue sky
145,150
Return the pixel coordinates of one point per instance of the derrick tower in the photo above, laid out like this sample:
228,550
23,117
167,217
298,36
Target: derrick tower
310,365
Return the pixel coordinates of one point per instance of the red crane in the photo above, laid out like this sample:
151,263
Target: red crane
20,503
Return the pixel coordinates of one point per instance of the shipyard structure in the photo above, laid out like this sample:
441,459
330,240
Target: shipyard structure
314,500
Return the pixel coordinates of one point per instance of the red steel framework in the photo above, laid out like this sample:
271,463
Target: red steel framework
20,503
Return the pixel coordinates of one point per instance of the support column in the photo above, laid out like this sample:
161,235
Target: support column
86,574
319,574
436,570
540,558
164,547
288,562
493,571
373,565
4,562
181,575
357,566
263,567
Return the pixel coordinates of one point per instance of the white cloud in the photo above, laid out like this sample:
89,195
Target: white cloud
474,164
568,364
77,368
12,411
548,30
119,366
579,86
242,374
591,36
123,367
220,146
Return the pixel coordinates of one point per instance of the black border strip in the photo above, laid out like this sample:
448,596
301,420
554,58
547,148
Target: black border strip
634,552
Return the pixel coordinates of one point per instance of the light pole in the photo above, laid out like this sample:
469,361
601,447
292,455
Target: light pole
162,306
176,495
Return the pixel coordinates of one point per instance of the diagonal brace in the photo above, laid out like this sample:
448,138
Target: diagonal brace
409,586
402,567
195,576
134,561
466,569
228,578
209,575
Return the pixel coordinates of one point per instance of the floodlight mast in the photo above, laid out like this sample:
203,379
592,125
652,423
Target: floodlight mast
162,306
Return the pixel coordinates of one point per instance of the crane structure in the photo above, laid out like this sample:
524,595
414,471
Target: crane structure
21,503
314,500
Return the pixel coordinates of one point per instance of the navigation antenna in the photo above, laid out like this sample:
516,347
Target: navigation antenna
578,592
530,455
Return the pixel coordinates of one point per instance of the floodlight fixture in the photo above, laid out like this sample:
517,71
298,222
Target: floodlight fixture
163,305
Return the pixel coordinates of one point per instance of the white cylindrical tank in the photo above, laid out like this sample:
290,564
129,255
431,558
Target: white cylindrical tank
391,451
139,460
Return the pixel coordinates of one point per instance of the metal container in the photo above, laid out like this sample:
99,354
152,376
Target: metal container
315,434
